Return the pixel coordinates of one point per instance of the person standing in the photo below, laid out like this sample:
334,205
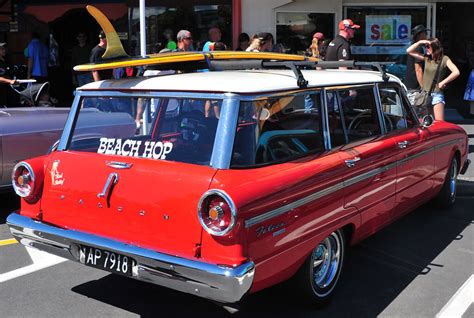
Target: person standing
439,70
185,41
80,55
96,57
38,56
215,35
339,49
244,41
414,72
261,42
5,79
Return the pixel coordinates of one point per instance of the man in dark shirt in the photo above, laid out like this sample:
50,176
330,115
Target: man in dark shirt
414,72
96,57
340,49
80,55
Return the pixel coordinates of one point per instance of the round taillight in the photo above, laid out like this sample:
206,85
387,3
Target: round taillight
23,179
217,212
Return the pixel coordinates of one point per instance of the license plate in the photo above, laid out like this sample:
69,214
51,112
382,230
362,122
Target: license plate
106,260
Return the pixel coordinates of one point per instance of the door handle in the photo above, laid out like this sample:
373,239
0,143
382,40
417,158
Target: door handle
403,144
109,184
351,162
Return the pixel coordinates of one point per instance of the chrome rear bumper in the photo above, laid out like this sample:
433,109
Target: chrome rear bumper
218,283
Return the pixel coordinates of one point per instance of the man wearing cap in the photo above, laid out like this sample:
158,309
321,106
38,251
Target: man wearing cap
340,49
4,79
96,57
414,71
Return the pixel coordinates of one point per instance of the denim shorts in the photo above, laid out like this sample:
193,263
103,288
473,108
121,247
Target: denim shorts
437,98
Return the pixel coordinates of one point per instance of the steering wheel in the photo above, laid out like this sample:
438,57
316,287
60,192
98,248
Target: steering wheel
366,113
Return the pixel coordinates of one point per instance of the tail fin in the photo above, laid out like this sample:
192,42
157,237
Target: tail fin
114,46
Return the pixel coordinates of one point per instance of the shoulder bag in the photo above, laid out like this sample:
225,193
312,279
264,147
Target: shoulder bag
422,98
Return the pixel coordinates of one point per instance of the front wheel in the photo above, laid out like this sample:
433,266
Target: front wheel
447,196
319,274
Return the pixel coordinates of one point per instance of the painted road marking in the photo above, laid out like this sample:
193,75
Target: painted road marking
40,260
8,242
460,302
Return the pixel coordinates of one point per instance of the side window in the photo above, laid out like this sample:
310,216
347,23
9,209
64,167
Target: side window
335,120
360,113
396,112
277,130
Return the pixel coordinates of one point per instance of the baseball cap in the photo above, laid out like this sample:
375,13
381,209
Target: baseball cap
347,23
418,29
3,44
264,36
318,35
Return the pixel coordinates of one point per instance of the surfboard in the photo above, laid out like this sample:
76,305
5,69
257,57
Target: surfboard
186,57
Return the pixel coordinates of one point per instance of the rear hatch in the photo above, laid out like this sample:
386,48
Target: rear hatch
141,184
153,204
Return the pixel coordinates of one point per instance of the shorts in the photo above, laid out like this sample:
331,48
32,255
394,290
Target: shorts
437,98
469,92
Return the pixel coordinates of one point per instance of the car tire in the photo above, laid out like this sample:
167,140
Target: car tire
320,273
447,195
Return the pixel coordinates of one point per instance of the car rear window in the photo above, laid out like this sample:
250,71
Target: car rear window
176,129
278,129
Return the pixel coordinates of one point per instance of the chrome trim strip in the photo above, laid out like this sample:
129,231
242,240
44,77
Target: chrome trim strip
317,195
224,284
286,208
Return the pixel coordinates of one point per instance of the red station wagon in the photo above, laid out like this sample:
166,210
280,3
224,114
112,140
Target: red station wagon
236,180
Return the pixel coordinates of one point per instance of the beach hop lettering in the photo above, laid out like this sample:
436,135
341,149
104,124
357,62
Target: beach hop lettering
135,148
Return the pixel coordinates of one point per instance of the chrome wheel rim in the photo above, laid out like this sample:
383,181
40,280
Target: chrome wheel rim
325,261
453,180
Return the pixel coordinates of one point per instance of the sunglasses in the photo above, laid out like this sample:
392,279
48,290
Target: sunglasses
188,38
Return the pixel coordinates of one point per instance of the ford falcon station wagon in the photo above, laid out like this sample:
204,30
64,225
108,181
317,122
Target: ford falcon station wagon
236,180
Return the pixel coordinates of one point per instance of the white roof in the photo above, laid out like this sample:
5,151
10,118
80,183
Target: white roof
244,81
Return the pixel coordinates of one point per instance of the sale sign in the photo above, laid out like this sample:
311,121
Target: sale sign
387,29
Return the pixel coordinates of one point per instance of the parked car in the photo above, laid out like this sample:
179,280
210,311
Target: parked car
237,180
27,132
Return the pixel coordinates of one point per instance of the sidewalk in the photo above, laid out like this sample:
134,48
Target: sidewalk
466,181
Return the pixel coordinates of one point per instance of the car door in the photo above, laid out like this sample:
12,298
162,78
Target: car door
415,158
370,176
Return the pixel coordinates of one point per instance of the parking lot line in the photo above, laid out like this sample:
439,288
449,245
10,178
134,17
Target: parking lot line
8,242
40,261
460,302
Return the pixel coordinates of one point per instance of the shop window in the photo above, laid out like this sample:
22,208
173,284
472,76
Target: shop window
295,30
385,33
169,19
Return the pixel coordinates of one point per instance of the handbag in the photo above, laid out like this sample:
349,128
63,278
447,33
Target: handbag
422,98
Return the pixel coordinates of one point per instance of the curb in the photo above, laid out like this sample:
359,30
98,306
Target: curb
465,188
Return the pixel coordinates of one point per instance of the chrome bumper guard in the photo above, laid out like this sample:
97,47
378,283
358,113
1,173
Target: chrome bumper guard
223,284
465,166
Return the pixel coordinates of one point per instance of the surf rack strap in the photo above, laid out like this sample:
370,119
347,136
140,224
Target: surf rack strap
295,66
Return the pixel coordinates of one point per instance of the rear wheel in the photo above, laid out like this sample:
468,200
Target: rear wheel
319,274
447,196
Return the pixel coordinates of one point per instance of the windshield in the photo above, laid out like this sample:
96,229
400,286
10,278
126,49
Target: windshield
181,130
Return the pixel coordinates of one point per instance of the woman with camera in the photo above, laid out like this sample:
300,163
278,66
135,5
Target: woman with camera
438,73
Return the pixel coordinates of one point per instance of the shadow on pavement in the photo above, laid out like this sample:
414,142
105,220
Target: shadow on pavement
9,202
376,272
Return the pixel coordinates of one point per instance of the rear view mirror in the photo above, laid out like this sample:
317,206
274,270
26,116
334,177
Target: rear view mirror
427,121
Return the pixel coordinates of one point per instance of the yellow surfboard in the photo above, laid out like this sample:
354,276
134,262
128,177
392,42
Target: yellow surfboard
115,56
182,57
